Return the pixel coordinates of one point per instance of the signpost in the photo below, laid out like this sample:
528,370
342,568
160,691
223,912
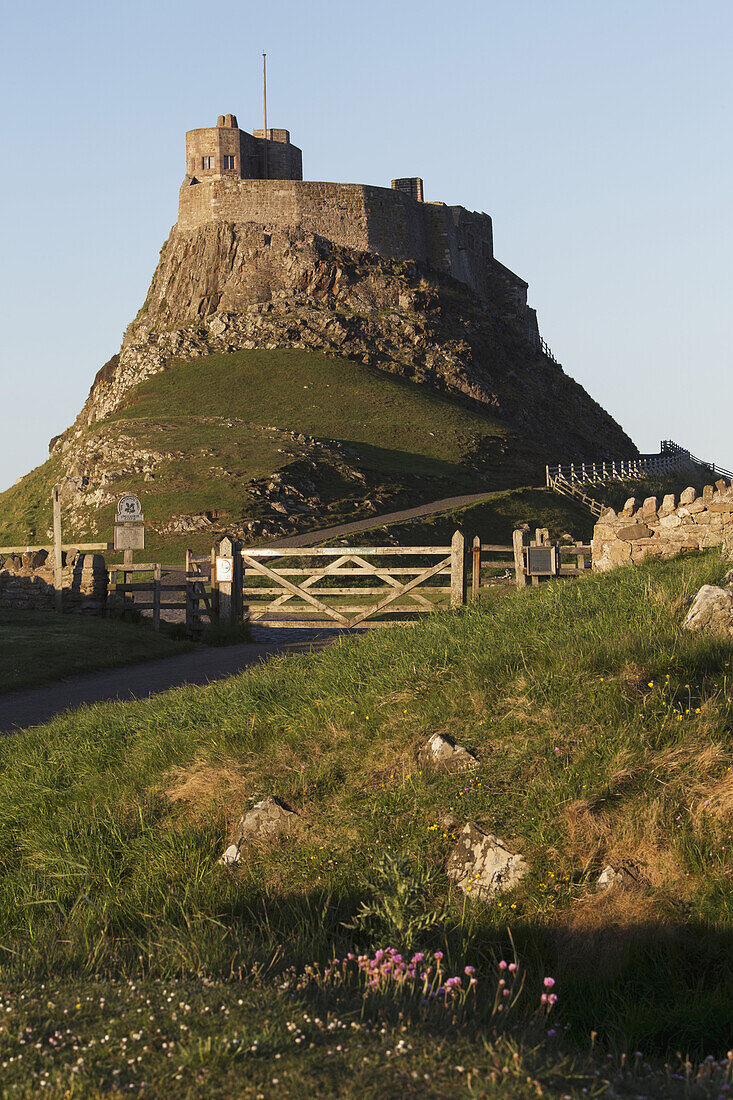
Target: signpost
129,531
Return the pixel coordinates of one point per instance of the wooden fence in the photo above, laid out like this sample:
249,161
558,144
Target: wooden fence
351,587
344,587
195,601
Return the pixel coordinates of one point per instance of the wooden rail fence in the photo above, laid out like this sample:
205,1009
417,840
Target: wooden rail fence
362,587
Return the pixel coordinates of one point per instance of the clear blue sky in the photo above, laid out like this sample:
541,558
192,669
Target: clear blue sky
597,135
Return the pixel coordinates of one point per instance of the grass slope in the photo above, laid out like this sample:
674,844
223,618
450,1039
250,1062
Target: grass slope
38,647
228,419
604,735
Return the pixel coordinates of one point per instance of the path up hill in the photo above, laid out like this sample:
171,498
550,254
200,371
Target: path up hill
273,380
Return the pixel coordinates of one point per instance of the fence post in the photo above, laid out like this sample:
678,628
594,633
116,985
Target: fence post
519,538
58,573
457,570
156,596
214,587
475,567
226,603
580,562
111,593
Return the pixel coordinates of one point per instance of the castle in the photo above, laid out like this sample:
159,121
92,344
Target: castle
237,177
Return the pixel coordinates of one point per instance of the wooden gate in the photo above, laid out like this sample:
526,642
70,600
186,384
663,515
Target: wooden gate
346,587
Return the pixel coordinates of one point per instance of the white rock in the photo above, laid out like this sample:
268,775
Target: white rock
481,865
711,611
443,754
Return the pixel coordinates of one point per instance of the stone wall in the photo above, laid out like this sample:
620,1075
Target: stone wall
27,582
207,148
651,531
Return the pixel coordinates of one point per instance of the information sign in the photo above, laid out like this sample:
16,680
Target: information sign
130,537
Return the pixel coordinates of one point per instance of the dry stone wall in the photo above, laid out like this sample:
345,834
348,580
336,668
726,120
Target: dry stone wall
661,531
27,582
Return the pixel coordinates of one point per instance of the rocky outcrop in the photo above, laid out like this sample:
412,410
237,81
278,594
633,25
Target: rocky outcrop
227,287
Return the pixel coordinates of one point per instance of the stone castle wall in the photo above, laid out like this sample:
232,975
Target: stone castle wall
27,582
381,220
693,523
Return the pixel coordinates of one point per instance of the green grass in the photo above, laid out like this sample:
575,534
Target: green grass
229,419
321,396
603,733
39,647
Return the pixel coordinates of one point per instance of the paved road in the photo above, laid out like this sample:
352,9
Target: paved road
313,538
205,664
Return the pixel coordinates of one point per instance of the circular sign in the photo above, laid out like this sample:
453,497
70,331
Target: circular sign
225,570
129,508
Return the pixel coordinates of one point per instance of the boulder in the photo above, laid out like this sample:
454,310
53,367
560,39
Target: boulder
441,753
267,820
481,865
711,611
688,495
625,876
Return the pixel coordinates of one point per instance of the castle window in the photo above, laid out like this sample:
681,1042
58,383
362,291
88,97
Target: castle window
228,162
207,162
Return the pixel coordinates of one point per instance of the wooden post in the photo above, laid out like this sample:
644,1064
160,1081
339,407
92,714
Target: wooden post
226,601
475,568
458,570
112,592
237,594
581,558
519,540
156,596
214,588
58,572
126,561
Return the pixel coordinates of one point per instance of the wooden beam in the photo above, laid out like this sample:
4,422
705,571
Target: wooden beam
458,570
58,573
519,539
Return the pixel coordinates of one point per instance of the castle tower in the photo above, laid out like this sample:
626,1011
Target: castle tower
225,151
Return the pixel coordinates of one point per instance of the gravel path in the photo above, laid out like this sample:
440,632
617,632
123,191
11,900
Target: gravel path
205,664
312,538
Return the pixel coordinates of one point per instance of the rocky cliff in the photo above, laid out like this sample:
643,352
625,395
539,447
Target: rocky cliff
226,287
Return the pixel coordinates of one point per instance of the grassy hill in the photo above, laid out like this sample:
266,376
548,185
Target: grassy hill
201,436
603,733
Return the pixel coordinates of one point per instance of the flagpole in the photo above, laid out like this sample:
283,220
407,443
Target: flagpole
264,112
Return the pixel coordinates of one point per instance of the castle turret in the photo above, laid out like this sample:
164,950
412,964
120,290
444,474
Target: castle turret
225,151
